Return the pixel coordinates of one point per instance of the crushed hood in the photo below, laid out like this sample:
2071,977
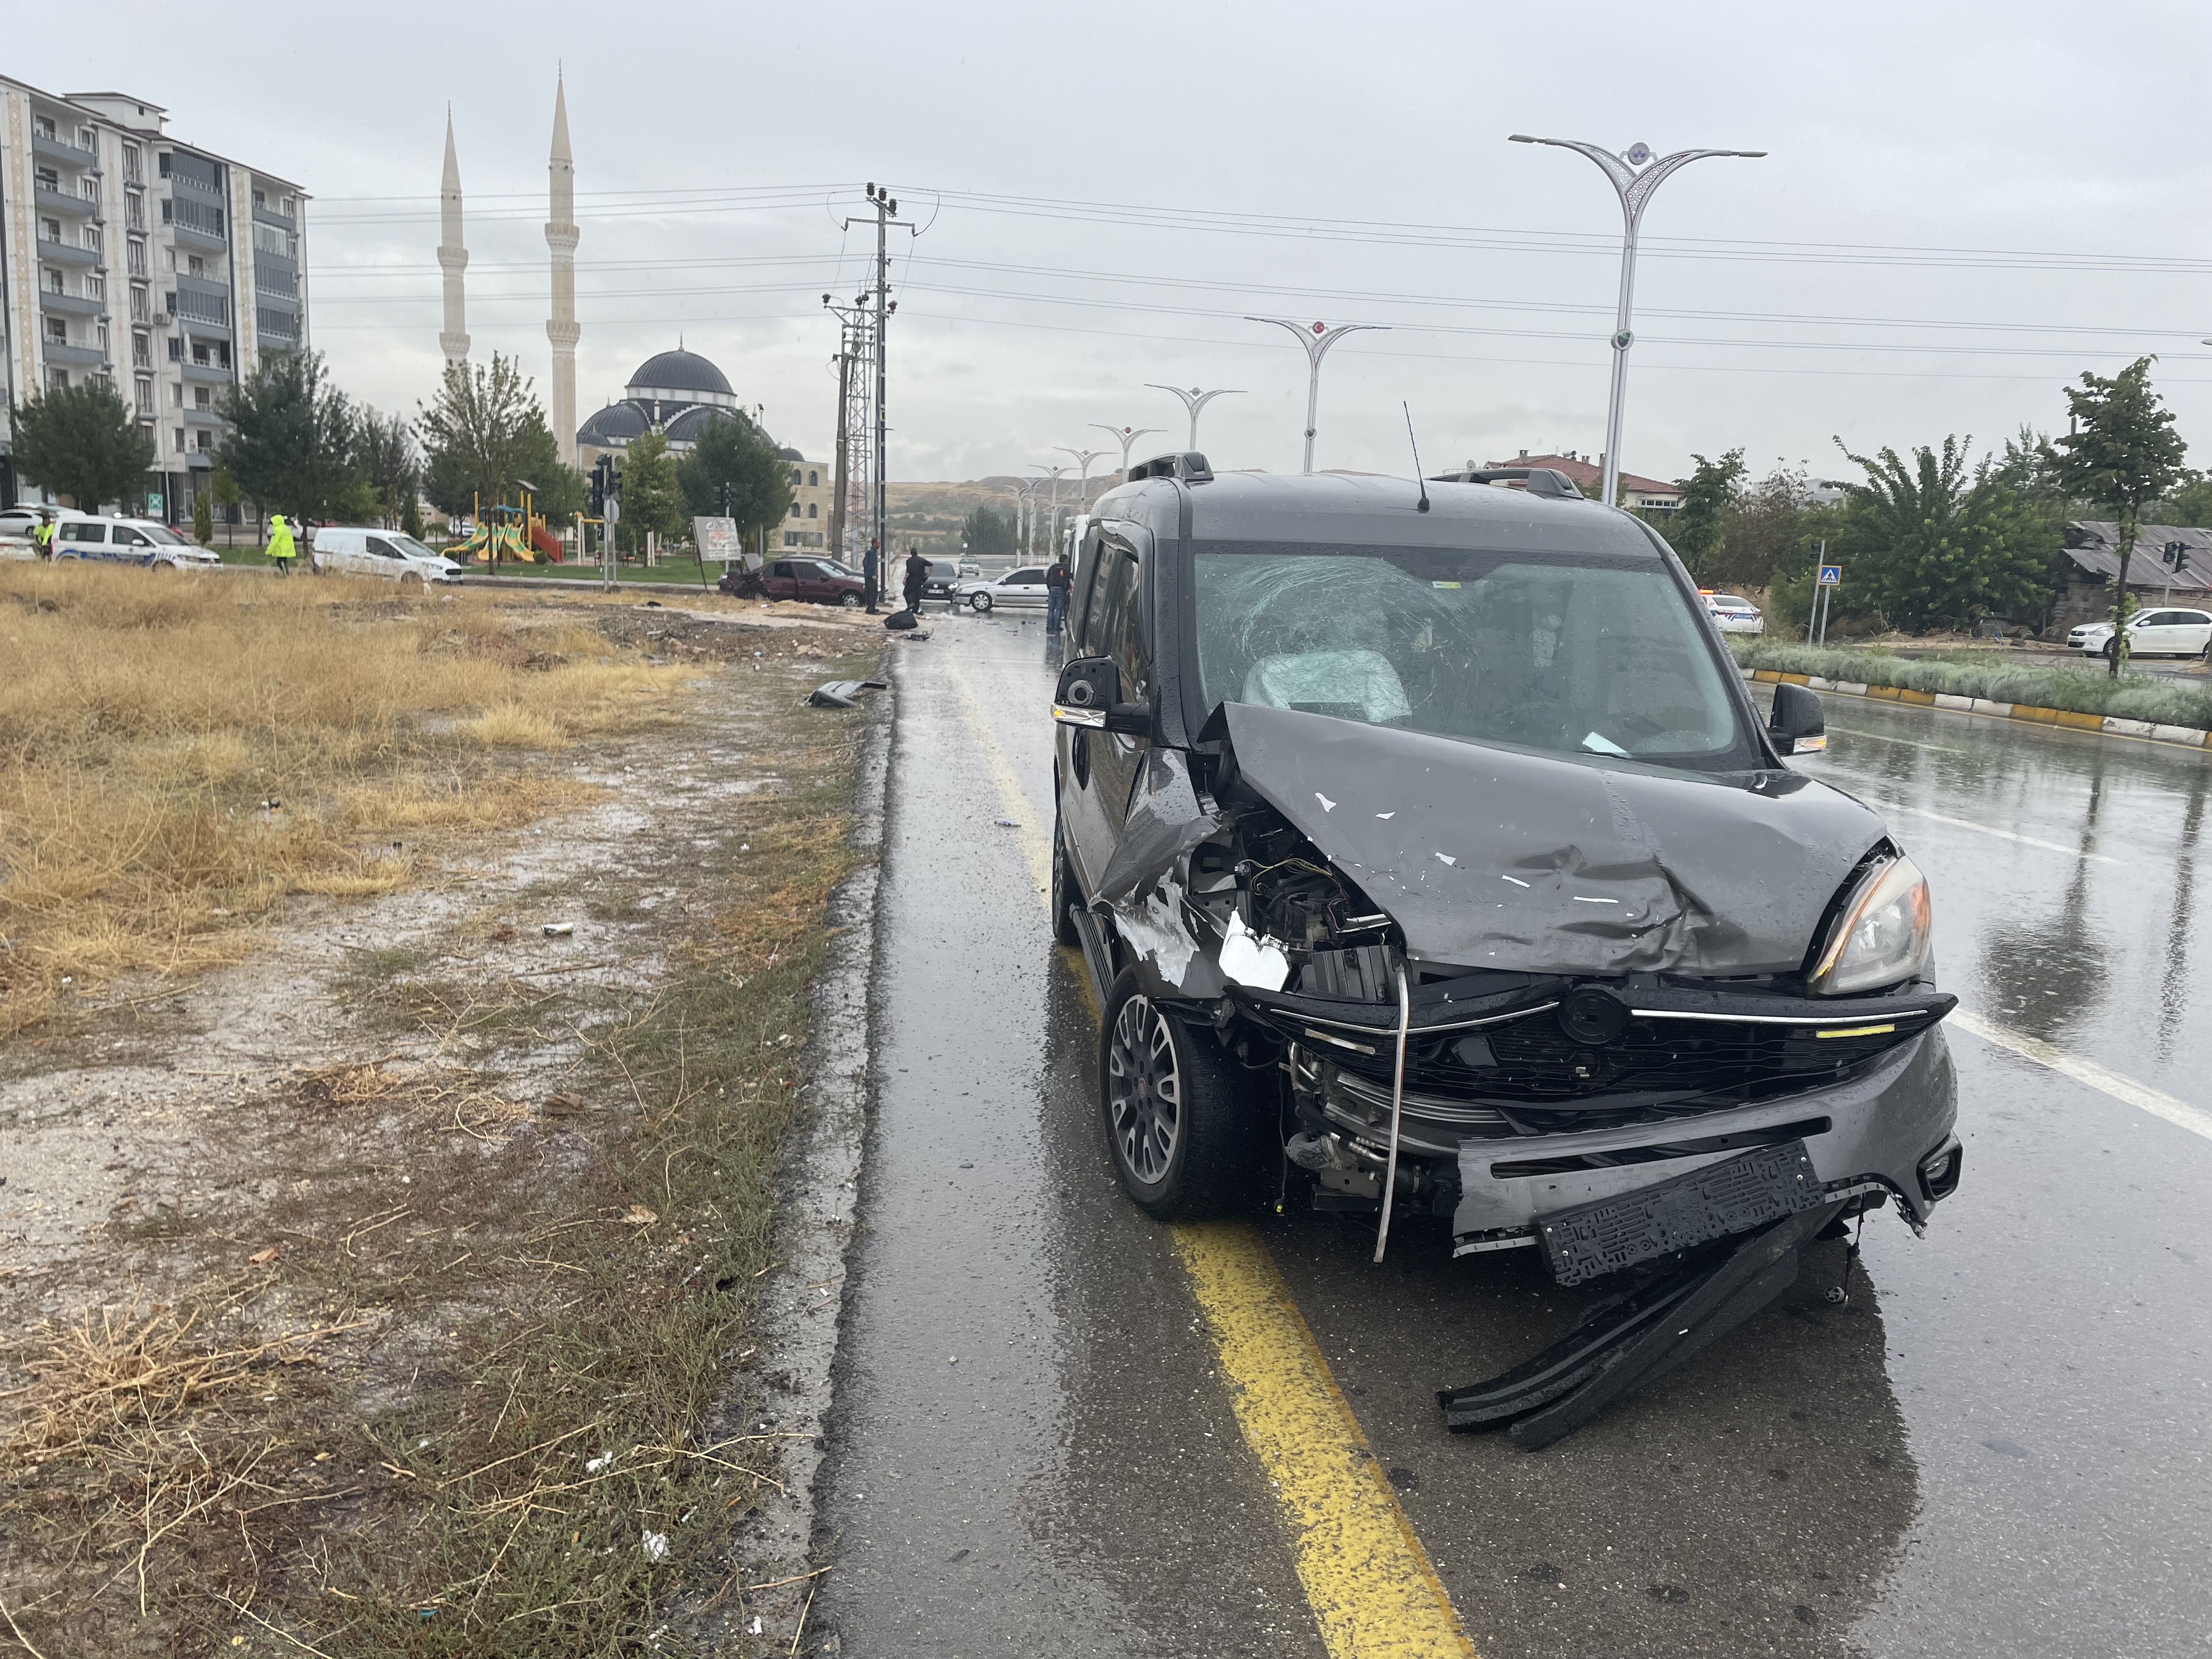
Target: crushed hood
1495,857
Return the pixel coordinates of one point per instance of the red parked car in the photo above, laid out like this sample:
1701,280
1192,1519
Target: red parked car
820,582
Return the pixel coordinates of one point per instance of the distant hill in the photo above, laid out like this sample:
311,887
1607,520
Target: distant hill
929,515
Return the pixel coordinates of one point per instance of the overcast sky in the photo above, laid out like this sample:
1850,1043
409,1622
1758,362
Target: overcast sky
1963,207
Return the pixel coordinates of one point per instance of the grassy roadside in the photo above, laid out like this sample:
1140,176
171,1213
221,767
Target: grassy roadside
178,756
453,1391
2084,691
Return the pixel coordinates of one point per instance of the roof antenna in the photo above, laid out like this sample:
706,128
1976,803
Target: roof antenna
1415,444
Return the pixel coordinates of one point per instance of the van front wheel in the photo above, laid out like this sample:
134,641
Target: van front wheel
1178,1122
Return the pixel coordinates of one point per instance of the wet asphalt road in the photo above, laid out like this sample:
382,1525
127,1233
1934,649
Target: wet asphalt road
2000,1447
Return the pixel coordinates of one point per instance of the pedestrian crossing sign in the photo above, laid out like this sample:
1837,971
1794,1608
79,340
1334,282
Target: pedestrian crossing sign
1831,575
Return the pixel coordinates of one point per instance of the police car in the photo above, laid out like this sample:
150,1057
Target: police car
142,542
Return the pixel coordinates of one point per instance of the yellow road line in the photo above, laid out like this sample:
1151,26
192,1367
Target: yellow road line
1036,846
1373,1591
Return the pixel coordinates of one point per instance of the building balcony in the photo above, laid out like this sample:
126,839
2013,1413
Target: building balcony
192,236
271,216
60,201
204,373
190,328
70,305
67,254
72,356
194,416
60,149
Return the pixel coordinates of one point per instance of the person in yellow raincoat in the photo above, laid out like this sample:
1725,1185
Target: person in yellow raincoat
281,549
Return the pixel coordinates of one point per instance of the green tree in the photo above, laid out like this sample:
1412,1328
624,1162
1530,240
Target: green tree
2188,504
732,450
1933,543
291,440
2121,452
988,535
1698,528
652,497
203,518
482,433
410,518
80,441
389,463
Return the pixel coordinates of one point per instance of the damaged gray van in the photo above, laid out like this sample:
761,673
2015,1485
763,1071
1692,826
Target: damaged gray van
1423,841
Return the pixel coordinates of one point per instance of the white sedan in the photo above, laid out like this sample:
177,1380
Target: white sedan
1021,586
2160,632
1735,616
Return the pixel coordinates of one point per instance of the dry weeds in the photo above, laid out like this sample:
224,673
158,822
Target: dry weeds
177,757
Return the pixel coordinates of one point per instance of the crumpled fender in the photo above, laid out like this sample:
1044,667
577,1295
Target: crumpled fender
1488,857
1142,889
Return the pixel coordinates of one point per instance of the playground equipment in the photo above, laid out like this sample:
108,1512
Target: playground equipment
505,533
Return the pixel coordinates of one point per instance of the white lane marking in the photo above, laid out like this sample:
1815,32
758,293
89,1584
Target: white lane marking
2126,1090
1914,743
1991,829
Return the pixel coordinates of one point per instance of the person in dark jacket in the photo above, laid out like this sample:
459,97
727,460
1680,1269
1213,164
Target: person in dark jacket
872,573
917,578
1057,583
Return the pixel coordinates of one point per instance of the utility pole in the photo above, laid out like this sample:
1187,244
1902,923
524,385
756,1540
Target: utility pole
1125,435
1634,176
886,215
1194,400
843,458
1316,338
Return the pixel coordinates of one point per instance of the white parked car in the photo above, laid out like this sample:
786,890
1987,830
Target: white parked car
1735,615
1024,586
384,553
2153,631
128,541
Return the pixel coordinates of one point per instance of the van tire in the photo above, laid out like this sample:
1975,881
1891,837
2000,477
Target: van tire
1176,1111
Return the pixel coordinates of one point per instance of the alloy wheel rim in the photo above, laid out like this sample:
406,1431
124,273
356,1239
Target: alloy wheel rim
1144,1091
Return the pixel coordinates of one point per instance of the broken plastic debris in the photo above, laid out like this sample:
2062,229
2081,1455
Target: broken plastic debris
1515,880
1386,817
1008,823
559,929
757,1625
1326,804
1247,959
840,693
599,1462
272,804
1446,857
656,1545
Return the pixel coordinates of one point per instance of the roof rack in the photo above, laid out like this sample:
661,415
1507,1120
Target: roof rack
1536,480
1190,466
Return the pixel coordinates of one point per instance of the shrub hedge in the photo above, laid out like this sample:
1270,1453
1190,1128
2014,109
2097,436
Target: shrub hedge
2131,696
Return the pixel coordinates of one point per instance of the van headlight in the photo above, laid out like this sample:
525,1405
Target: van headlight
1882,935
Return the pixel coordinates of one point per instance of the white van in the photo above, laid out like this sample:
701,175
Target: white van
128,541
385,553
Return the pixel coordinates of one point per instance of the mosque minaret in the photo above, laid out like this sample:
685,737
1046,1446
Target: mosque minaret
561,236
453,256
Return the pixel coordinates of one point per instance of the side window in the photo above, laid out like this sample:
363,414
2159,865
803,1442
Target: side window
1119,628
781,568
126,537
382,550
84,533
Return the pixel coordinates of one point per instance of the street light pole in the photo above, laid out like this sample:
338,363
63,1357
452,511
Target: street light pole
1052,523
1125,435
1194,400
1316,338
1083,483
1634,175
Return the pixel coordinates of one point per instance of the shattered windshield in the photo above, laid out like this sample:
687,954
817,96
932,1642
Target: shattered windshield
1584,655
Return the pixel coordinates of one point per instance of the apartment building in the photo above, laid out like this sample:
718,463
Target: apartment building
133,260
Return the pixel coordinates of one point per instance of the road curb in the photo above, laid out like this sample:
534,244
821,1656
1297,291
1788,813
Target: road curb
800,1309
2187,736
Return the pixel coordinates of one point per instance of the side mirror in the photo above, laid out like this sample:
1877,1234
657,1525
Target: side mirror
1090,694
1088,687
1797,724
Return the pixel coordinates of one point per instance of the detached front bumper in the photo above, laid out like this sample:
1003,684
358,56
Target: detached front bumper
1888,1128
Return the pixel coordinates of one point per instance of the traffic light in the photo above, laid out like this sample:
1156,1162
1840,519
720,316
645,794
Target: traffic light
595,490
722,499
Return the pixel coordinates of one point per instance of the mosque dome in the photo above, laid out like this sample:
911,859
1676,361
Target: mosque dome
613,427
680,376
